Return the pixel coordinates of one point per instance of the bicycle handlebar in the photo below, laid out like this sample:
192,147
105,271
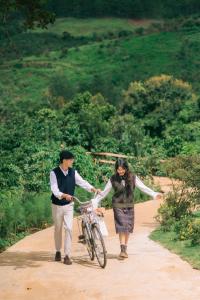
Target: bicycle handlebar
83,202
80,202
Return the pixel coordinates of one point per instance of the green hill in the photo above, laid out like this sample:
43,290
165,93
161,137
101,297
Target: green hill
49,99
99,55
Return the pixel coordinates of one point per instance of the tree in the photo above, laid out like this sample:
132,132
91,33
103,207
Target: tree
158,101
128,133
126,8
92,113
32,12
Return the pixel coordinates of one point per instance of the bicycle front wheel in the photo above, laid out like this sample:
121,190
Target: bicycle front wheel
87,238
99,246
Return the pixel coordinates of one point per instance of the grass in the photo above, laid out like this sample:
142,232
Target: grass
85,27
189,253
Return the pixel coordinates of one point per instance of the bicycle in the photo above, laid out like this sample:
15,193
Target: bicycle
91,232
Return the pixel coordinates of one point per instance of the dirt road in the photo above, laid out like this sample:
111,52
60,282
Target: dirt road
28,272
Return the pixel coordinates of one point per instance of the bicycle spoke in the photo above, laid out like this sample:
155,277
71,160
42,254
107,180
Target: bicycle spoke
99,246
87,238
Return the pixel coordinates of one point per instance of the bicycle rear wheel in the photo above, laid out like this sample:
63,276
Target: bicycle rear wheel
99,246
88,242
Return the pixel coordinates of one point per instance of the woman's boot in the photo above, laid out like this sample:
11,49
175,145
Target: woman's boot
125,251
122,254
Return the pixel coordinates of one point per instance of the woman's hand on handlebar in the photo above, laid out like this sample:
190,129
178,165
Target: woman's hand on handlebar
97,191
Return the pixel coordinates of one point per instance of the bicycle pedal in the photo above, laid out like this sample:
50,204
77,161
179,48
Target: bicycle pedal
81,241
81,237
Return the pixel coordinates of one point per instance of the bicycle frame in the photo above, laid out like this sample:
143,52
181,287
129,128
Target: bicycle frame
88,215
91,232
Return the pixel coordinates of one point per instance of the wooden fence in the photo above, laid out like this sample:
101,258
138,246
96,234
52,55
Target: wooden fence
96,156
100,157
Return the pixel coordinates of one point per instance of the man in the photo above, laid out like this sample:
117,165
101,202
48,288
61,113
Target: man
63,180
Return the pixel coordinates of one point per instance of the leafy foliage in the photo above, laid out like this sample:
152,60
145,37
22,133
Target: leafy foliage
58,95
177,213
130,8
33,12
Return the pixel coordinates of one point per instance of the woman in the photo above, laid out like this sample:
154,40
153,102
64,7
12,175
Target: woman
123,183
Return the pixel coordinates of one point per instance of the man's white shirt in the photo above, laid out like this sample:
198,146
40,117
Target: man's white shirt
78,181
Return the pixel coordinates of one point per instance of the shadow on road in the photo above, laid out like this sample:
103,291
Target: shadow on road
85,261
113,256
20,259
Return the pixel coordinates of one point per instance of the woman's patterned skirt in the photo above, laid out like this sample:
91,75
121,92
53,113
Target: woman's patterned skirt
124,219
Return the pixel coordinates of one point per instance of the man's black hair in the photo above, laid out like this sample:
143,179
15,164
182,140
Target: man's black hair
64,154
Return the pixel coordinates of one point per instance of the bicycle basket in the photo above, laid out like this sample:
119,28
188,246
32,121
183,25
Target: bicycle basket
86,208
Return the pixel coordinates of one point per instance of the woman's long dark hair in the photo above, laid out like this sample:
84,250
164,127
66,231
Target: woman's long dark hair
128,176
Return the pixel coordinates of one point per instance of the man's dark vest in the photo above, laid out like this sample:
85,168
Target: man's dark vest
66,185
123,196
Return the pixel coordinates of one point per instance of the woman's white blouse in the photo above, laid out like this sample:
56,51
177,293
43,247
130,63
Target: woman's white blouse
138,183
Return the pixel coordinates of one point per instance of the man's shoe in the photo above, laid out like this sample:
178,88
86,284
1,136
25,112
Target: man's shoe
58,256
67,260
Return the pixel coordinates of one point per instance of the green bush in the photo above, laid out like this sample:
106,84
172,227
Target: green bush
67,35
188,228
37,208
59,85
194,232
124,33
20,212
140,30
181,227
177,214
11,212
176,208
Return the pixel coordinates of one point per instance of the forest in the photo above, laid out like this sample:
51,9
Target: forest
102,76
